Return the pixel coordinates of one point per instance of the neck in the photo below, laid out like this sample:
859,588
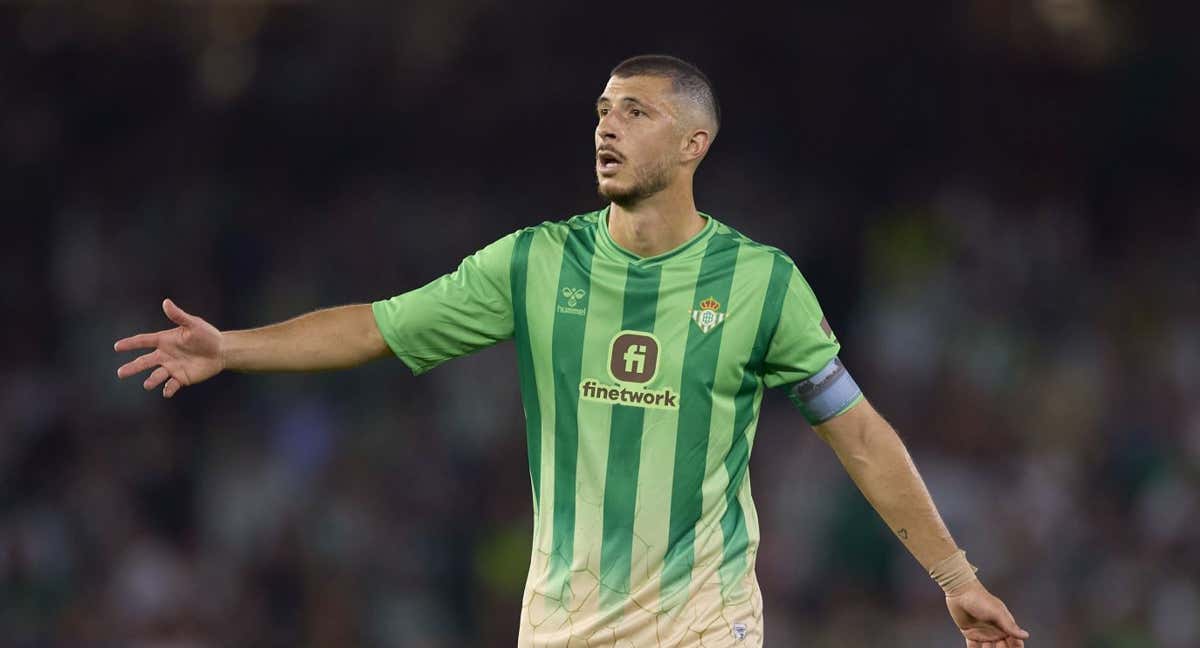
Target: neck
657,224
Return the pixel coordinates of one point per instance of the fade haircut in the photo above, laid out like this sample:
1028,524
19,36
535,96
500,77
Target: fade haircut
686,79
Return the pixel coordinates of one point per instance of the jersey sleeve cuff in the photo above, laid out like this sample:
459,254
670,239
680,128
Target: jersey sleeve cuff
379,310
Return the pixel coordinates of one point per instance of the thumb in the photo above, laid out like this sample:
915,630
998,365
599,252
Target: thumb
175,313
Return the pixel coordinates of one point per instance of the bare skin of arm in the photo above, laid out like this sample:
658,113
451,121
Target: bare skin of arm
194,351
875,458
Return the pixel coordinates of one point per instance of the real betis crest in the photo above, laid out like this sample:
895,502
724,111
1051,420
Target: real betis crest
708,317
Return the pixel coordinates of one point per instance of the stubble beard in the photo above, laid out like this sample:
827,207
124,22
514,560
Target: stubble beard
647,181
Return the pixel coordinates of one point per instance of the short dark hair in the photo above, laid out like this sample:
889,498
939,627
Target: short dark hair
685,77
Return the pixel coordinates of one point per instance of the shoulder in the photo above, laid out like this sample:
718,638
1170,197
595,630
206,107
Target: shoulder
750,248
559,230
562,227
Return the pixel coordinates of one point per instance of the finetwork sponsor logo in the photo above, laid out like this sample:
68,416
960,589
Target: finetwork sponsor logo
623,395
633,357
632,364
573,298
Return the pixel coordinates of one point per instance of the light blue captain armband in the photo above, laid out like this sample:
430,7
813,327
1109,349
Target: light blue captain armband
825,394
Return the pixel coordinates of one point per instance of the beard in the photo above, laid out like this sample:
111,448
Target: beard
647,181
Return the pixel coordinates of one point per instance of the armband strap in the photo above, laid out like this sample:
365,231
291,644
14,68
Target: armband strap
953,572
825,394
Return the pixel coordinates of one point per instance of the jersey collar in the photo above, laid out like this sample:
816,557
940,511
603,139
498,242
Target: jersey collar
690,247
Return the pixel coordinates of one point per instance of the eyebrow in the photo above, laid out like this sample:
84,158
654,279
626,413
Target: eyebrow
635,100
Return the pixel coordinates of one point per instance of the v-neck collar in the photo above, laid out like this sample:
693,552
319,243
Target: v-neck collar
694,245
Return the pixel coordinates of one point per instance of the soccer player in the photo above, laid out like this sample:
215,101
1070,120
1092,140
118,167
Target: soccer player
646,333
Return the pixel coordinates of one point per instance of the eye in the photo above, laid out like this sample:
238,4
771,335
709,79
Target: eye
602,111
636,113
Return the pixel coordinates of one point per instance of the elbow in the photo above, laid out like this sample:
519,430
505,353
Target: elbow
857,432
368,340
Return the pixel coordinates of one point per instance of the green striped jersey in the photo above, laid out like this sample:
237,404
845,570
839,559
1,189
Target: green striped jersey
641,380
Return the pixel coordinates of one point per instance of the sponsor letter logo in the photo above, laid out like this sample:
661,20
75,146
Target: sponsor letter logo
633,357
632,365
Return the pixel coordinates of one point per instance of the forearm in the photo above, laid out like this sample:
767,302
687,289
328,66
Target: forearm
877,461
333,338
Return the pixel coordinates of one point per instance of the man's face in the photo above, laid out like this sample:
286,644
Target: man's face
638,138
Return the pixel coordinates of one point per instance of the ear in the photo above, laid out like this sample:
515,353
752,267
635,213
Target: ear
695,145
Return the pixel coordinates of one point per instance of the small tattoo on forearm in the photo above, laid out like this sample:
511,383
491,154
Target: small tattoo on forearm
903,533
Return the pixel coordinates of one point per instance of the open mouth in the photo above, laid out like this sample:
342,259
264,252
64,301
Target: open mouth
607,161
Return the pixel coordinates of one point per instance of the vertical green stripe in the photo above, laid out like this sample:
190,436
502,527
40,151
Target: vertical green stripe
625,450
777,285
695,412
518,276
567,349
733,522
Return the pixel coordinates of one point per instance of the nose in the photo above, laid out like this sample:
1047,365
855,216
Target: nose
606,130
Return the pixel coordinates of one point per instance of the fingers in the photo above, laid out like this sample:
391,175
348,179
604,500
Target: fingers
990,636
1008,624
156,378
137,366
155,358
171,388
140,341
175,313
150,340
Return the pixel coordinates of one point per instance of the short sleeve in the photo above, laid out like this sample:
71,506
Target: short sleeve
803,343
453,315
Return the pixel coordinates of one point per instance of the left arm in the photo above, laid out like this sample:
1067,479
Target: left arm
802,353
877,461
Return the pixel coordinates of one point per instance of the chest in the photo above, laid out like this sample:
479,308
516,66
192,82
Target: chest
644,336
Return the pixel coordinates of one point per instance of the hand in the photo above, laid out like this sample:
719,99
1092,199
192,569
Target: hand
983,619
185,355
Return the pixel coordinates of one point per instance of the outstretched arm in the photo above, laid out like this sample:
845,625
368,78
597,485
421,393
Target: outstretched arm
194,351
877,461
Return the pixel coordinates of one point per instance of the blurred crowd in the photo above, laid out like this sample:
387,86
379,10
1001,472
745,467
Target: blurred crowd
997,204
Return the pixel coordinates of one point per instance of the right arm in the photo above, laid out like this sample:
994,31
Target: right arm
332,338
451,316
194,351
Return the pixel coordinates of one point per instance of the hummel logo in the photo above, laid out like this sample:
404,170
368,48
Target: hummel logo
573,295
574,298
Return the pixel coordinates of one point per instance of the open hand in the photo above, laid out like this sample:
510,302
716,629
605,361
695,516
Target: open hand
185,355
984,619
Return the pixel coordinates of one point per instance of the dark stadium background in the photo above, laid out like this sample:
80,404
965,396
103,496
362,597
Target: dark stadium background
997,203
